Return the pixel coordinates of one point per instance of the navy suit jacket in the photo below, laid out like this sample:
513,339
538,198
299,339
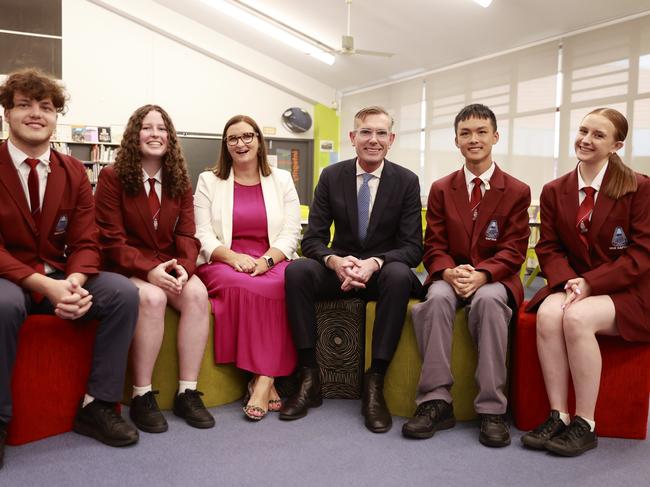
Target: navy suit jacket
395,226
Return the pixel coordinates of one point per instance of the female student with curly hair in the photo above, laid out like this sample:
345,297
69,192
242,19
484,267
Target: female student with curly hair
146,219
595,253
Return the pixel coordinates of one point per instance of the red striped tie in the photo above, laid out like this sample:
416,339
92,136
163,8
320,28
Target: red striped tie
32,185
585,210
154,202
475,200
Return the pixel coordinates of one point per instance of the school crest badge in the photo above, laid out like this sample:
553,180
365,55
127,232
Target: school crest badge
492,231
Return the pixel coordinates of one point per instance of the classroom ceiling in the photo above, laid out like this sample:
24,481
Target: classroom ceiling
423,34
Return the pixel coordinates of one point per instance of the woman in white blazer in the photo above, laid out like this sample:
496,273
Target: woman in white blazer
248,222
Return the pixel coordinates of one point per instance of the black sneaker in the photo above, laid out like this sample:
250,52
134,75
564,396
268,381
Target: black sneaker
494,431
550,428
99,420
576,439
430,416
3,437
189,406
146,414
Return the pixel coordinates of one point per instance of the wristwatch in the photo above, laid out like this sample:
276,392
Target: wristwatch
269,261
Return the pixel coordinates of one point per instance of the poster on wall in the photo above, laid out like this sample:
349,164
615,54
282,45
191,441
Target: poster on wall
327,146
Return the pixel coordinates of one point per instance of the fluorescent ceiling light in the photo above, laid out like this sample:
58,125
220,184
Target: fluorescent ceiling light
266,25
484,3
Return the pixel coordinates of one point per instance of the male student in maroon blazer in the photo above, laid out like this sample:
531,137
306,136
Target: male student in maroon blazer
49,256
475,243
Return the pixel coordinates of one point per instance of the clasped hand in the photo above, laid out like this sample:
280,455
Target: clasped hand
246,263
70,300
464,279
161,276
352,272
575,289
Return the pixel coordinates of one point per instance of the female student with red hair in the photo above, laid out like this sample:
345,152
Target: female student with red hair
594,251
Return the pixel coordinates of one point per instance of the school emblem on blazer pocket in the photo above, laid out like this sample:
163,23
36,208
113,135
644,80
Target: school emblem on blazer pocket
619,239
61,225
492,231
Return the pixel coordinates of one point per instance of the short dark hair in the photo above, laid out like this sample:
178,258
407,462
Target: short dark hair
475,110
36,85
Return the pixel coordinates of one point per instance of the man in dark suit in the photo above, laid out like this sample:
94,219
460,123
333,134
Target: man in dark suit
376,210
474,245
49,258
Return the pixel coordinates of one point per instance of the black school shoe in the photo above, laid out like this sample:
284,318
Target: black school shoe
494,431
576,439
146,414
430,416
552,427
99,420
189,406
3,437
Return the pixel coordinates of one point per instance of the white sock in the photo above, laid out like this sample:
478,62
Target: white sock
186,384
566,419
590,422
141,391
87,400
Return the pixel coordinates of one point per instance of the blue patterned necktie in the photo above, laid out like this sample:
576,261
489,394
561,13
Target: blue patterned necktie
363,206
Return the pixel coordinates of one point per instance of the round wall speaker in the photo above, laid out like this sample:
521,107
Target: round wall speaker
296,120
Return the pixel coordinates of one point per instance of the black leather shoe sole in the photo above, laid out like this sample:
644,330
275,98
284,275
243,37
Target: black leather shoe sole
493,442
300,414
380,429
423,435
151,428
558,450
534,443
86,430
205,424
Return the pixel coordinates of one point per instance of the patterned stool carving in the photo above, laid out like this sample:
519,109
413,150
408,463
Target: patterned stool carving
340,347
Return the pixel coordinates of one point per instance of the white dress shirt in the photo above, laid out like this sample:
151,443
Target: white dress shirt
485,177
596,184
43,169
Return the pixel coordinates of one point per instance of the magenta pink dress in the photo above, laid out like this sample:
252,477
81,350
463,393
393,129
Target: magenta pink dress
250,317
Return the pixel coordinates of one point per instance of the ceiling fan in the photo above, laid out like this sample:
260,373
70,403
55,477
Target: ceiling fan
347,42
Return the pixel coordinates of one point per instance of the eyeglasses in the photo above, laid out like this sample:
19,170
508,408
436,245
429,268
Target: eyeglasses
246,138
366,134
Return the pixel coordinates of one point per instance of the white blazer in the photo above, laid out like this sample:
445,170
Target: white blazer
213,207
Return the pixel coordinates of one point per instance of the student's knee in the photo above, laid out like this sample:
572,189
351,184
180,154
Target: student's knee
575,324
152,298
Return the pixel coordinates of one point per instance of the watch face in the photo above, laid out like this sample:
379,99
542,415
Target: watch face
269,261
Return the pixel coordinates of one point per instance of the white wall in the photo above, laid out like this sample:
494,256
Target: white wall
112,65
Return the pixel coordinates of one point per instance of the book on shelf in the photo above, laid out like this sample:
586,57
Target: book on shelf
91,134
102,153
78,133
61,147
104,134
63,133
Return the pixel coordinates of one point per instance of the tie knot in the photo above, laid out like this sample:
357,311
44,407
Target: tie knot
367,177
589,191
32,163
477,182
152,182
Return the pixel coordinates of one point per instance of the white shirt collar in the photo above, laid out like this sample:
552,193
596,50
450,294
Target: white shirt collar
18,156
485,177
157,176
596,183
376,173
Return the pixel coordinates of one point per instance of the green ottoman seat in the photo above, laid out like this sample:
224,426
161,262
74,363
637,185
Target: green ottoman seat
221,384
402,378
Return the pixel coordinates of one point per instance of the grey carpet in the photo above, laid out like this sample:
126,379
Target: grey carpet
328,447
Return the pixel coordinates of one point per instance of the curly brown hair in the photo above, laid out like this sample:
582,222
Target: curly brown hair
34,84
223,166
128,166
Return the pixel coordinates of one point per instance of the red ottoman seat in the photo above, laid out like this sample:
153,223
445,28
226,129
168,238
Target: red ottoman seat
622,406
52,368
